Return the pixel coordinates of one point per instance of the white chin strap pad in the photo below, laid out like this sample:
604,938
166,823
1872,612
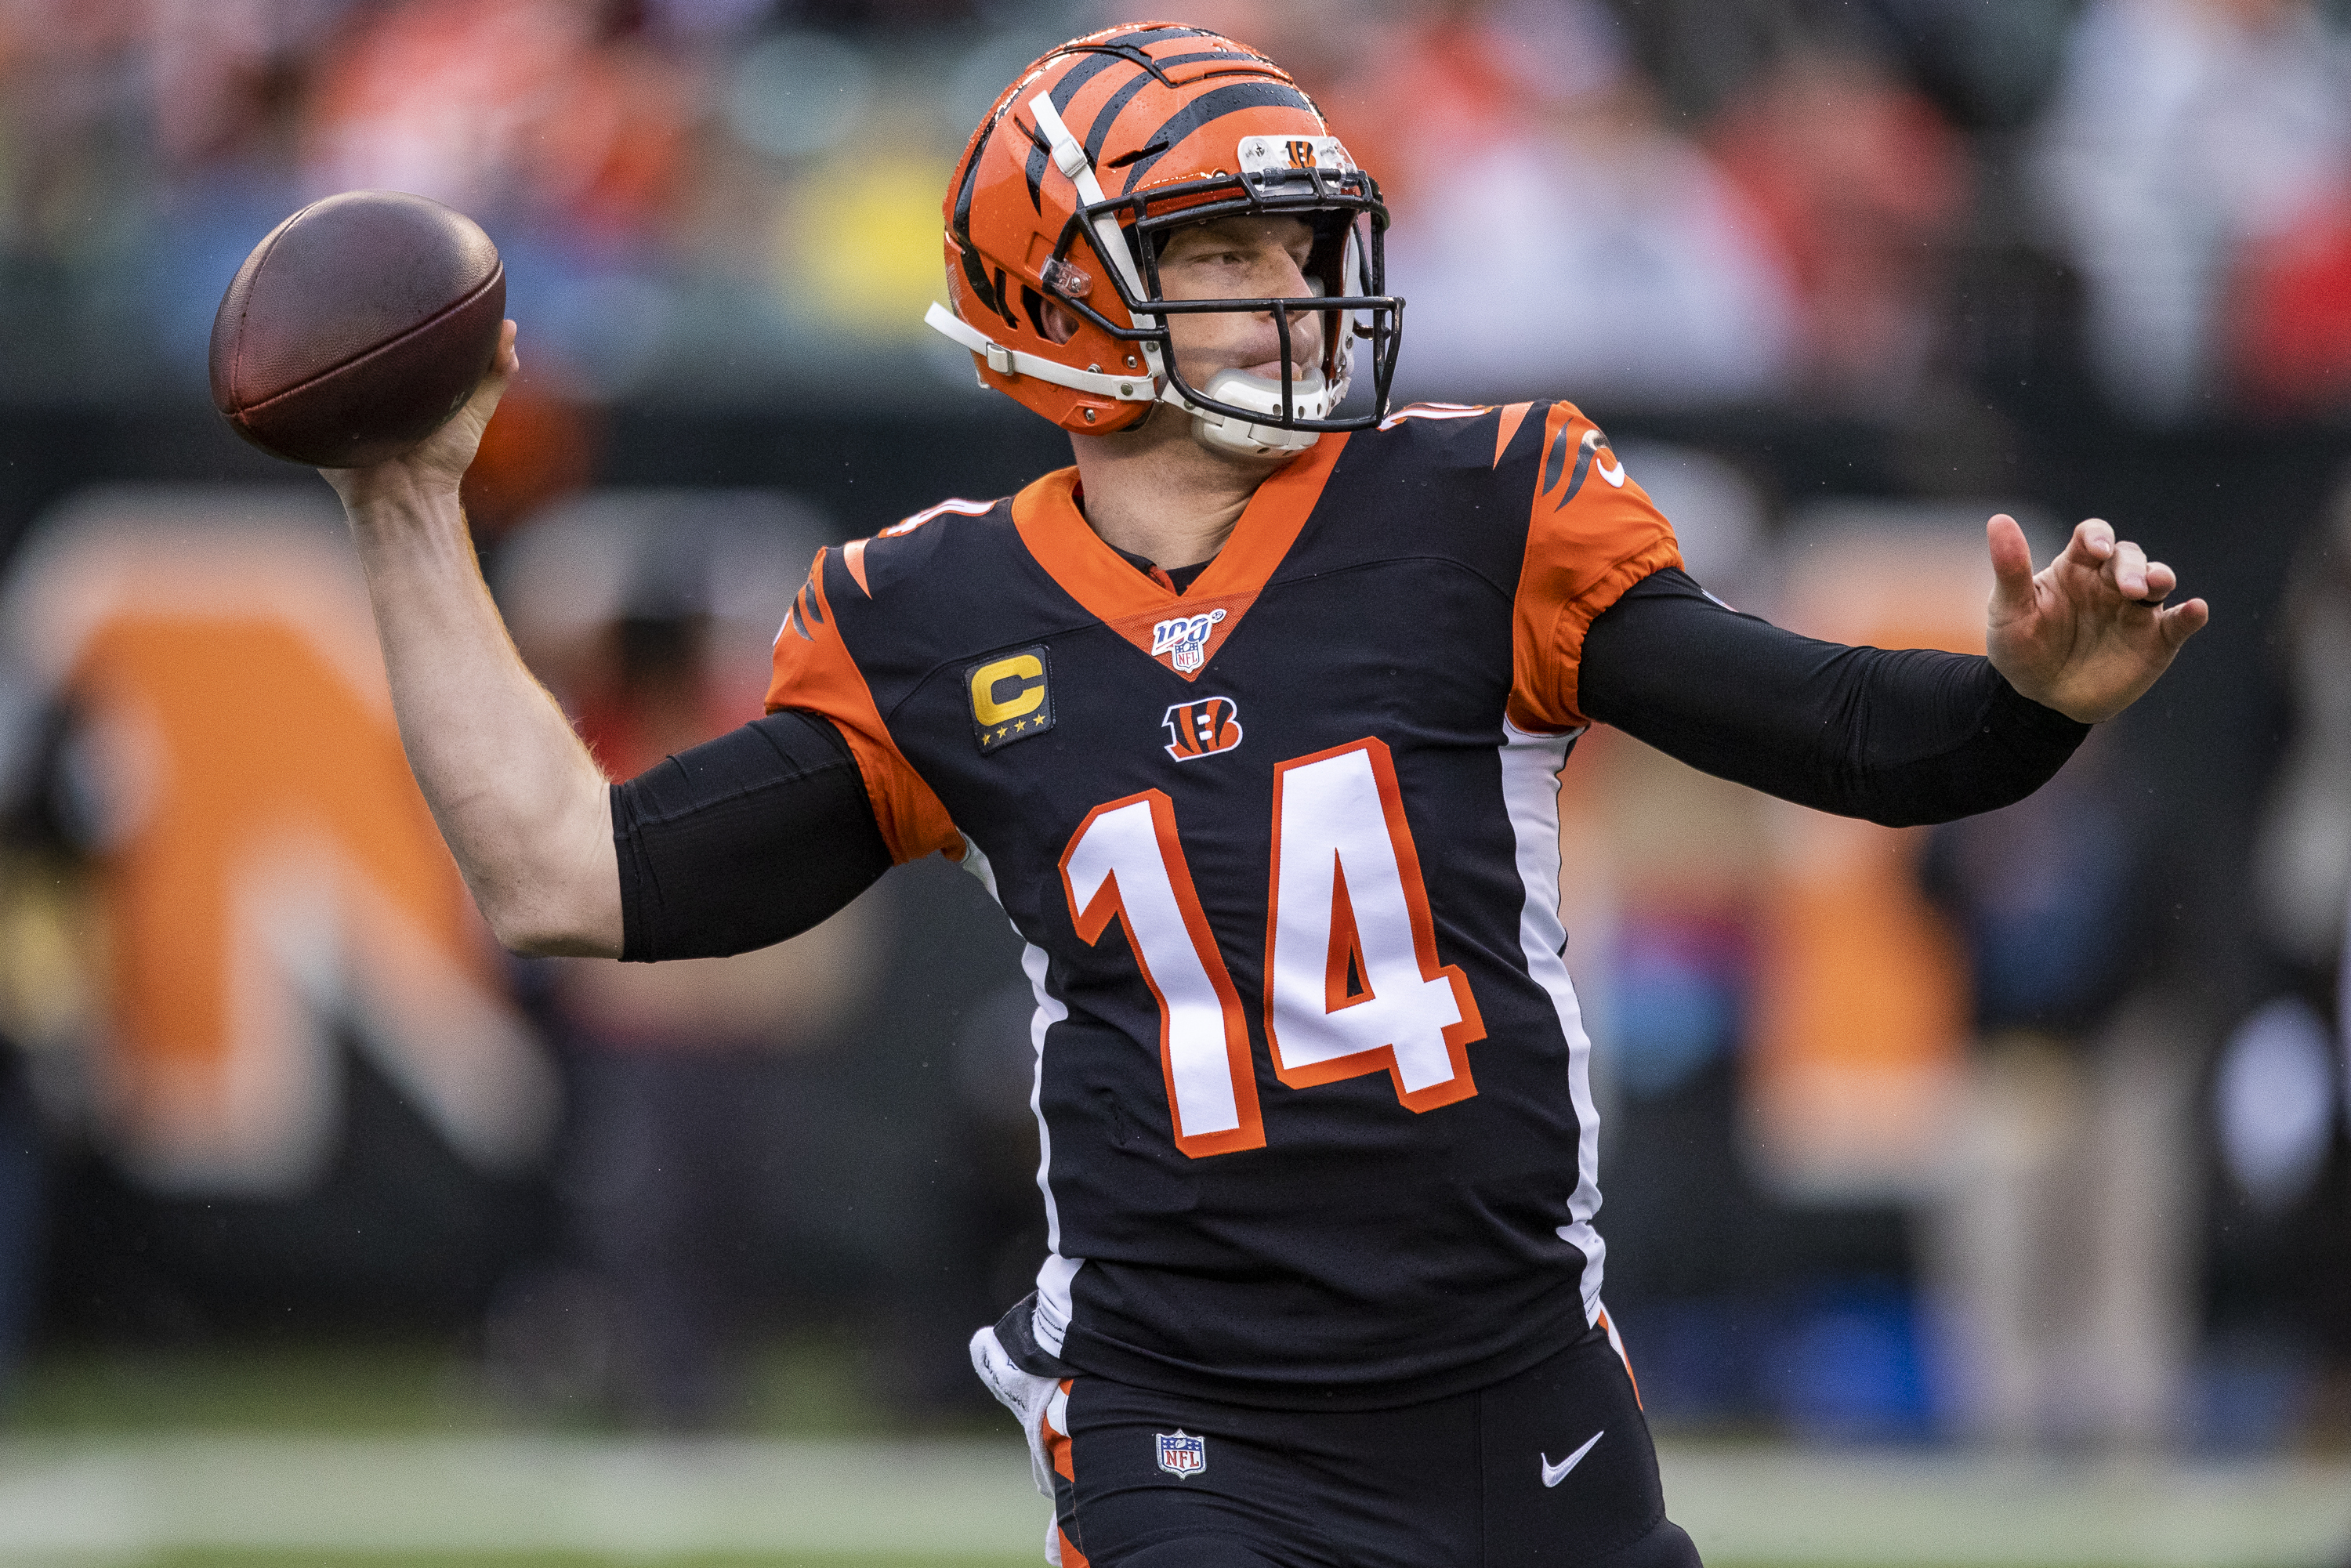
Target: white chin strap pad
1311,396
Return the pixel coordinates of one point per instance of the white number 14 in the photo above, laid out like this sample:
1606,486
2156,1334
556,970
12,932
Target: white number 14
1353,981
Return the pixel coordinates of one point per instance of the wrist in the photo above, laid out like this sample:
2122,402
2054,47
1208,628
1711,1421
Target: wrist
2028,683
2014,710
376,501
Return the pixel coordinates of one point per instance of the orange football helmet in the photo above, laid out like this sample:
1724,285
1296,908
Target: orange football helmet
1186,126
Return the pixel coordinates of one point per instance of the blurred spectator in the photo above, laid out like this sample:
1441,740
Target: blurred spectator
72,159
1550,233
648,610
883,13
545,109
2183,131
227,81
541,447
565,126
44,987
701,191
1320,42
2290,325
2038,1256
1863,189
2281,1112
2301,864
23,1198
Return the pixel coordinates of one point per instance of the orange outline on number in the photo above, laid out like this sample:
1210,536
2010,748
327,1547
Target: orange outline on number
1458,1036
1095,918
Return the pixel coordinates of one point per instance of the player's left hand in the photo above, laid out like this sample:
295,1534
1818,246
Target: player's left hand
2090,633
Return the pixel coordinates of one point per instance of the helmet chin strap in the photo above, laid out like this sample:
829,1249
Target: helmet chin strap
1312,396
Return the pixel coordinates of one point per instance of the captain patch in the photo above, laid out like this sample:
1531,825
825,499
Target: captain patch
1011,699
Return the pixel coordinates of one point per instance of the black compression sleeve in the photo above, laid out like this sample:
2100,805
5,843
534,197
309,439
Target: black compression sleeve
1897,736
744,841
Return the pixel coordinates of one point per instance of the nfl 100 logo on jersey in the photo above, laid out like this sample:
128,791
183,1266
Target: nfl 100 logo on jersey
1184,640
1181,1454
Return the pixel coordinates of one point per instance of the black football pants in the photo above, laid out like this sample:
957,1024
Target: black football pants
1553,1467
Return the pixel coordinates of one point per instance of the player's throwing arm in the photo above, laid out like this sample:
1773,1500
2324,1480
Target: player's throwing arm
364,335
522,805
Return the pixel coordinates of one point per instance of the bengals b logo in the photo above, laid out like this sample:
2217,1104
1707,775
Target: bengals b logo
1301,154
1202,728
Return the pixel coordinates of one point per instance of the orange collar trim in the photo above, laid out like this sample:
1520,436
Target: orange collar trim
1182,630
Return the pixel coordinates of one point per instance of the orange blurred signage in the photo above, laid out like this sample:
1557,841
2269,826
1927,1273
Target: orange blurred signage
1862,1004
270,872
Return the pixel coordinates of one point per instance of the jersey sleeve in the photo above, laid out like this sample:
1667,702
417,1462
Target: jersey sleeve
1592,533
816,670
1897,736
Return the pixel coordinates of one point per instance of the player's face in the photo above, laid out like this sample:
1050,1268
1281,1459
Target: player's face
1237,258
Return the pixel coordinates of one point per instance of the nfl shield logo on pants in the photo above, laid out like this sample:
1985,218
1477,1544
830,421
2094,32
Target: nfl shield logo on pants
1181,1456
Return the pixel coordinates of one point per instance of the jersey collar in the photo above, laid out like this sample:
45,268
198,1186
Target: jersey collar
1181,631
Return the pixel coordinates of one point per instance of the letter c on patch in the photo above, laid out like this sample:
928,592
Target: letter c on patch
1025,668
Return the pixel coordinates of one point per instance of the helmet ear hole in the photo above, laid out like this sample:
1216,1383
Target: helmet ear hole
1054,321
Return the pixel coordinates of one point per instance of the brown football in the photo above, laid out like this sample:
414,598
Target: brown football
357,328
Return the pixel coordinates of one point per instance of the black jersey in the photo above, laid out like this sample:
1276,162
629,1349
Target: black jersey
1311,1087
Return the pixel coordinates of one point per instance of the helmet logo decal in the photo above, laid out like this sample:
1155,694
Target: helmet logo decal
1261,152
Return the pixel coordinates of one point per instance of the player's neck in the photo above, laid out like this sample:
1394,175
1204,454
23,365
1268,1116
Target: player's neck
1158,493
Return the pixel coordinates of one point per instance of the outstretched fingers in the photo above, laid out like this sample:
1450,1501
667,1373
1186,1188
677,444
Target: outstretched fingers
2092,631
2120,562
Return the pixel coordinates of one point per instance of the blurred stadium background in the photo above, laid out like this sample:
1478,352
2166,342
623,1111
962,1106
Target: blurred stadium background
1980,1195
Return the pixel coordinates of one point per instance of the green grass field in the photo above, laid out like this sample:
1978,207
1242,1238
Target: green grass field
369,1455
789,1560
561,1560
805,1386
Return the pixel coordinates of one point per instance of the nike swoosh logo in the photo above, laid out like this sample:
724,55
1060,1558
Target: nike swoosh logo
1615,477
1554,1474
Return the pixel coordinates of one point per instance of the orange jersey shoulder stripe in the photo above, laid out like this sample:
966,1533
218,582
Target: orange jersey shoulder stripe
1505,427
1593,533
815,669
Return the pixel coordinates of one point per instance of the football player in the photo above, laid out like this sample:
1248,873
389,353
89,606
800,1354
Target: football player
1253,721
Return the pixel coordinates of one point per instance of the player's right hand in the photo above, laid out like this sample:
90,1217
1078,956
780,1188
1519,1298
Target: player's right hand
436,465
2089,633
